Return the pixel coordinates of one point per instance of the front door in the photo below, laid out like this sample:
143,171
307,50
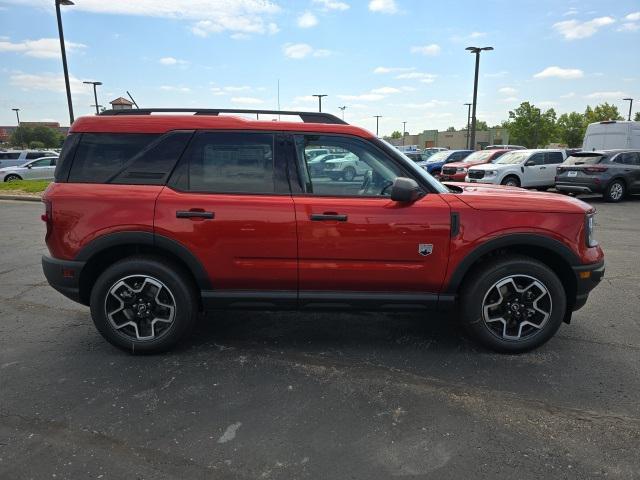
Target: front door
353,240
40,169
228,203
534,171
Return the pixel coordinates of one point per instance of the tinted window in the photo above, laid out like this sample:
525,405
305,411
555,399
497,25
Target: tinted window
99,156
553,157
45,162
536,159
219,162
628,158
32,155
360,168
9,156
66,157
153,165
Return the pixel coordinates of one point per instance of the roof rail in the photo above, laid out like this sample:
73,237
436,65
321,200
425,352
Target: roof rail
306,117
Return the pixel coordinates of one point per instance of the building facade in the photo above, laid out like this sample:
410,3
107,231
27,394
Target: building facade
454,140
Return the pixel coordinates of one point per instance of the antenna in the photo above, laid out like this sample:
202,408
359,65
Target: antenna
134,102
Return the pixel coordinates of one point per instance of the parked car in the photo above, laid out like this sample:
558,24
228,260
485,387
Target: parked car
505,147
611,135
520,168
153,218
435,162
316,165
315,152
40,169
457,171
614,173
346,168
418,156
14,158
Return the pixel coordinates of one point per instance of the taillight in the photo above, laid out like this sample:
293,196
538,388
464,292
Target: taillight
47,217
596,169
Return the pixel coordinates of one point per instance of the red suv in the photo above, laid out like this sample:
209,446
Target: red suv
155,218
456,172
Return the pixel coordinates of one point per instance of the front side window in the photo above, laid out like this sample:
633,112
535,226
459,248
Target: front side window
221,162
44,162
359,169
535,159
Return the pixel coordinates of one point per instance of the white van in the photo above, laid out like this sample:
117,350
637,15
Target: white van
611,135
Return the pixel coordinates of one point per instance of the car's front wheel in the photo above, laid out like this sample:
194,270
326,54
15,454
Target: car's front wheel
12,177
144,304
511,181
349,174
512,304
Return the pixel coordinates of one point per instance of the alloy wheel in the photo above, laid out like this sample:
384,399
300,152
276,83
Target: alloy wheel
616,192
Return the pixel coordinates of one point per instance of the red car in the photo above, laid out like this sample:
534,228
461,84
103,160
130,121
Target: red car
155,218
456,172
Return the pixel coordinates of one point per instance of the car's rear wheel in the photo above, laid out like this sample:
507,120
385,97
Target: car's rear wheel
511,181
615,192
349,174
512,304
143,304
12,177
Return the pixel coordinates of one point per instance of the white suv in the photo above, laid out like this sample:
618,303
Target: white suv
346,168
520,168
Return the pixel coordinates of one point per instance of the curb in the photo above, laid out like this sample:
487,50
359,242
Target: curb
24,198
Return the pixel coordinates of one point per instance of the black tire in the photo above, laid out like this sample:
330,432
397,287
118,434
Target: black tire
349,174
511,180
178,290
334,177
616,191
481,285
12,177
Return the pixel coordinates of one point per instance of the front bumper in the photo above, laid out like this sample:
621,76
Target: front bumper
588,277
63,276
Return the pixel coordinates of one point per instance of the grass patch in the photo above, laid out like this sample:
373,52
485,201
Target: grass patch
26,186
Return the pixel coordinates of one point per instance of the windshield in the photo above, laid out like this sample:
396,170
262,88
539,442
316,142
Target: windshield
440,156
583,159
478,156
512,158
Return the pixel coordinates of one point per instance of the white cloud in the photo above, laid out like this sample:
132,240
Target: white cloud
508,91
431,50
298,51
606,95
169,61
42,48
629,27
51,82
171,88
383,6
633,17
332,4
574,29
365,97
568,95
386,90
247,100
557,72
307,20
572,11
393,69
422,77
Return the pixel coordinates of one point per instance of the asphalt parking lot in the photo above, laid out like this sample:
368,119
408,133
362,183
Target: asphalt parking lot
272,395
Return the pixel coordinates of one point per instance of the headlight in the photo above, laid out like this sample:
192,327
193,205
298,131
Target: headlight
489,173
461,169
588,230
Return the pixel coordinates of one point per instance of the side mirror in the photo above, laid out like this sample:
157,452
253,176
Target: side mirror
529,163
405,190
29,166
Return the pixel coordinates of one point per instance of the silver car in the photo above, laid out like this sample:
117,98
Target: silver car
39,169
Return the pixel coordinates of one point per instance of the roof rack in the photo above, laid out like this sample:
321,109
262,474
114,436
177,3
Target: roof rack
306,117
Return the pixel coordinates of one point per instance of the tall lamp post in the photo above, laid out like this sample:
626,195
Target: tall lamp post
404,129
95,94
343,108
320,100
630,100
64,55
476,50
17,114
468,105
378,117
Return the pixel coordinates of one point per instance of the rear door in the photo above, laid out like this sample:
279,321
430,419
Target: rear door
551,162
631,167
534,170
354,241
228,202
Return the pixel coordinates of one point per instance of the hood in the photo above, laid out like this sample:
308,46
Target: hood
8,169
495,166
466,164
503,198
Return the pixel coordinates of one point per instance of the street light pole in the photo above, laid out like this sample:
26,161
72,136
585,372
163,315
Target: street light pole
17,114
64,55
476,50
320,100
630,100
343,108
95,94
378,117
404,129
468,121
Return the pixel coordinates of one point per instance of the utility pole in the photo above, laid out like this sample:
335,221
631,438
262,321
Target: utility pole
95,94
64,55
476,51
17,114
404,129
378,117
468,122
320,100
343,108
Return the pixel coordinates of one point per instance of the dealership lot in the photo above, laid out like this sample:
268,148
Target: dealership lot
290,395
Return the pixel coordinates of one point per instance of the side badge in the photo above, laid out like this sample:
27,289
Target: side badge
425,249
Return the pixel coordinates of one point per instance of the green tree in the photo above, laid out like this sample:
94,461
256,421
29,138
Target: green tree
451,129
35,144
48,137
571,128
481,126
396,134
601,113
637,117
531,127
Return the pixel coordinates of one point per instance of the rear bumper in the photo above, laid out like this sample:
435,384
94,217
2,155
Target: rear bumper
578,187
588,277
63,276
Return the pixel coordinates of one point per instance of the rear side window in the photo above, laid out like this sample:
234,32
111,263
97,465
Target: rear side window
66,157
99,156
9,156
553,158
628,158
583,159
221,162
34,155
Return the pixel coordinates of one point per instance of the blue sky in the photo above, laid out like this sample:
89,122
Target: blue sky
402,59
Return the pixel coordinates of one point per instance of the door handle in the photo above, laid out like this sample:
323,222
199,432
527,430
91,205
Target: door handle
329,216
194,214
543,168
